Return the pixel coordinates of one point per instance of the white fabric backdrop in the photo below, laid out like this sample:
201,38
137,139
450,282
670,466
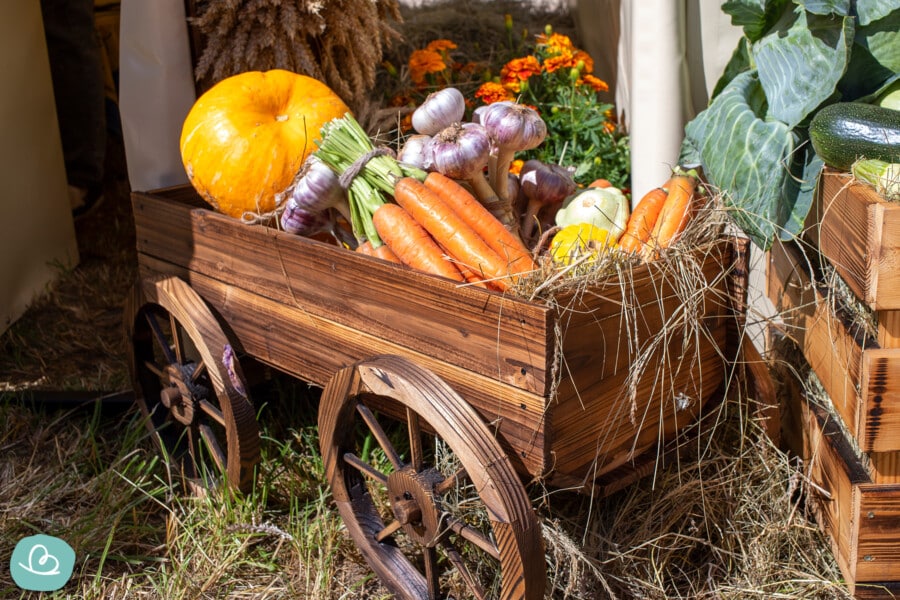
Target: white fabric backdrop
668,55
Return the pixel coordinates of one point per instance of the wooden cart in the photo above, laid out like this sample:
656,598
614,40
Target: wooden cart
486,389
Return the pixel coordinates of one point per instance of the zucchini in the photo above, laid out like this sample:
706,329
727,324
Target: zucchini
844,132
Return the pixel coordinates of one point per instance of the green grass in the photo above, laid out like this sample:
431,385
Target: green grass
723,523
95,480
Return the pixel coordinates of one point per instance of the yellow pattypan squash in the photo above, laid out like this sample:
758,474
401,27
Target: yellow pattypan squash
574,241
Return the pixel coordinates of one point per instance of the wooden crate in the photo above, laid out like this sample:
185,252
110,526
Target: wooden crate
560,406
861,377
861,517
850,442
858,232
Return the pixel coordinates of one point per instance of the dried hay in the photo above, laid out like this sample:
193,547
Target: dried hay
340,42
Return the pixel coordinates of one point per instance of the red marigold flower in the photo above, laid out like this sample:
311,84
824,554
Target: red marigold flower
491,92
423,62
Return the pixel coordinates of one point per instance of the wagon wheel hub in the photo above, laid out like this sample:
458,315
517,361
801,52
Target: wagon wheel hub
415,505
179,395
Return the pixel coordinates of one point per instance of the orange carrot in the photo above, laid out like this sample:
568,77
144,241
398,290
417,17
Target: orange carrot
600,183
383,252
674,214
642,219
498,238
449,230
411,243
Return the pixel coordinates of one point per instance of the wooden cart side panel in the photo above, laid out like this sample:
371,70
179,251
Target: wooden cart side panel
486,333
601,427
313,349
608,334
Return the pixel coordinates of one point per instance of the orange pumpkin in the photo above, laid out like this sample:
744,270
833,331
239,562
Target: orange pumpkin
245,139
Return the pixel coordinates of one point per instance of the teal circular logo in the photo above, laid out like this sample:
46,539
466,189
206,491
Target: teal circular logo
42,563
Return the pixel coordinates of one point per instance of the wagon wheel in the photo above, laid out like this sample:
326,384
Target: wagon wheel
198,412
431,501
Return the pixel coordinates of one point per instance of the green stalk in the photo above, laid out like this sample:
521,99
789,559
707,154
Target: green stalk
343,143
882,175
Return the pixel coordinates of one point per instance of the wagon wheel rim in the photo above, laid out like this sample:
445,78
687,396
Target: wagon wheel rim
190,388
424,541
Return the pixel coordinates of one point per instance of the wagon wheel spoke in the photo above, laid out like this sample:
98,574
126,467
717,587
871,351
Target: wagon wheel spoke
450,482
177,338
380,435
459,564
212,444
155,369
474,536
199,371
388,531
416,455
213,411
432,573
161,339
364,467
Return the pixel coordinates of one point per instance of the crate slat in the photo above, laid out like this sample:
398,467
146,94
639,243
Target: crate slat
860,377
859,233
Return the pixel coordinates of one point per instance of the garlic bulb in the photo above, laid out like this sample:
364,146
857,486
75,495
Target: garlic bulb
439,110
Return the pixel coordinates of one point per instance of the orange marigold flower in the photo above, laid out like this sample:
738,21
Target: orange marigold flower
560,61
440,45
519,69
406,122
556,43
423,62
595,82
515,167
582,56
491,92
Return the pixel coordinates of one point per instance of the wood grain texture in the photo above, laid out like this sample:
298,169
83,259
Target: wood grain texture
859,233
309,309
860,378
860,516
480,331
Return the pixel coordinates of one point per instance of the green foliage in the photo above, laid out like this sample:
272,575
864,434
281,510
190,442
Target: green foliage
794,59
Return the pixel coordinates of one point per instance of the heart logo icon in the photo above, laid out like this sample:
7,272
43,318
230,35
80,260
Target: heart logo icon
44,558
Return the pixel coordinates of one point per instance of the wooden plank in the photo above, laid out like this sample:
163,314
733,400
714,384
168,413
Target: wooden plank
880,389
858,375
860,516
859,233
660,353
313,349
878,550
479,331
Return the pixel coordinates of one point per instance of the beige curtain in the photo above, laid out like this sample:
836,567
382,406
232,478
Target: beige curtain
37,234
667,56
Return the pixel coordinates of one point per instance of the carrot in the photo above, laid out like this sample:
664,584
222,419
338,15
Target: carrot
411,243
674,214
486,225
383,252
600,183
450,231
643,218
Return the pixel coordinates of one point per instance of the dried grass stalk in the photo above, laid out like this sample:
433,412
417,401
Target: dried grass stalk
340,42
